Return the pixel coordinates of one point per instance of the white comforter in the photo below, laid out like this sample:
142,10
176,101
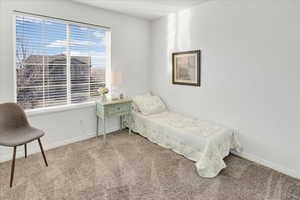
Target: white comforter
205,142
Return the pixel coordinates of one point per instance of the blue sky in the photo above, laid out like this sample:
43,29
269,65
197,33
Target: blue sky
43,37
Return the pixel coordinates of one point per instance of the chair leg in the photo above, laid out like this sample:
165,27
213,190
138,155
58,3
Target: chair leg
13,167
42,150
25,147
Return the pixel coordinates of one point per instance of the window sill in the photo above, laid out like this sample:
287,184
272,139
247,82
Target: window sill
55,109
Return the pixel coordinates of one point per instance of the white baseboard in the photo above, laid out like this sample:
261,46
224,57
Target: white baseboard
47,146
279,168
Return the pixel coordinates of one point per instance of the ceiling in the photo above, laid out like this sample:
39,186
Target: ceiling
148,9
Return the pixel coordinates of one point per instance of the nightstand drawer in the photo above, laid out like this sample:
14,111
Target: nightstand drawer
116,109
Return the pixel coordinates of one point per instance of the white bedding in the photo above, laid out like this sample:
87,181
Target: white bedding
204,142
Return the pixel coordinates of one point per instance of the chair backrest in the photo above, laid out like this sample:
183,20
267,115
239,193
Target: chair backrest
12,116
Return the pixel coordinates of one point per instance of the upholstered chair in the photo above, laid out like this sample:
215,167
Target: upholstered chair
16,131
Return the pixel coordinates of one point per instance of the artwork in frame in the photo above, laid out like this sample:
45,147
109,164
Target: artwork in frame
187,68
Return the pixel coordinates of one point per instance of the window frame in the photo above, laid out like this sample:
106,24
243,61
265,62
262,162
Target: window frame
69,105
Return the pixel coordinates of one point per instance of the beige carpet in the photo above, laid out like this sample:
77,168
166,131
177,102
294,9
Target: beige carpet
134,168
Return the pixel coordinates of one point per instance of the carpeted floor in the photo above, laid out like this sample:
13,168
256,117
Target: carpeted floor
132,168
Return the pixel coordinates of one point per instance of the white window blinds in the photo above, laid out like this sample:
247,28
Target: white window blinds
58,63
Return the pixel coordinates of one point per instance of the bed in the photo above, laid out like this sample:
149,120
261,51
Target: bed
205,142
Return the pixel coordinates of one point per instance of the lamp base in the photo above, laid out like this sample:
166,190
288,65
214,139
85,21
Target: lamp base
103,98
116,94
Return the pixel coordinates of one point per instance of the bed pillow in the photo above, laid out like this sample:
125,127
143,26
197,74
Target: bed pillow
149,104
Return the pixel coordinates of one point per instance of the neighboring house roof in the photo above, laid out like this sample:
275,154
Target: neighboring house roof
57,59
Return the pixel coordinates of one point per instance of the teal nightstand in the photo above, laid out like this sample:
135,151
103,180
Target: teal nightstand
121,108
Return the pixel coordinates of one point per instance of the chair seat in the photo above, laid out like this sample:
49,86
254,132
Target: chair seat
20,136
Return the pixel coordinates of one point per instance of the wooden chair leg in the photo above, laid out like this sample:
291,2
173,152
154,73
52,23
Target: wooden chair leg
13,167
42,150
25,147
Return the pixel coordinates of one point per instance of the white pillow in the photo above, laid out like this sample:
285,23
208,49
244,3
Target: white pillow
149,104
134,106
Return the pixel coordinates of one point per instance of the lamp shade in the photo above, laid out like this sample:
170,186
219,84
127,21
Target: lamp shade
116,78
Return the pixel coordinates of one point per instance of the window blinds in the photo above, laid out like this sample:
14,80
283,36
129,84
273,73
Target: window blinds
58,63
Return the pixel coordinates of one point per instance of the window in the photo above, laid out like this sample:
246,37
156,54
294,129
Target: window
58,63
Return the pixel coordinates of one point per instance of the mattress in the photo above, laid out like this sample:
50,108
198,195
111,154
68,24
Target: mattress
205,142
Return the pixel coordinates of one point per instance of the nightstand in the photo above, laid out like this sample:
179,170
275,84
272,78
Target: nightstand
120,107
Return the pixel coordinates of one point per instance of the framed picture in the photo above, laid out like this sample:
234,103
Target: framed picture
187,68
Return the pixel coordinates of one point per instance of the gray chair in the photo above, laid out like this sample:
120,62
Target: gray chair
16,131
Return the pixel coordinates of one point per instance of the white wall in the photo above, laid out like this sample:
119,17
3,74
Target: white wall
250,72
1,42
130,55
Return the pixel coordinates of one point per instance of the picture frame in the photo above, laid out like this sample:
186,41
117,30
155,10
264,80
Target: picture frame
186,68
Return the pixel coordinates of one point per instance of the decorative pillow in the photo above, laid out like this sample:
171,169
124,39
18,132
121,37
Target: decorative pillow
134,106
149,104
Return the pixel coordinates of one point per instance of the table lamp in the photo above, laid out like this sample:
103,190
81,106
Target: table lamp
116,82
